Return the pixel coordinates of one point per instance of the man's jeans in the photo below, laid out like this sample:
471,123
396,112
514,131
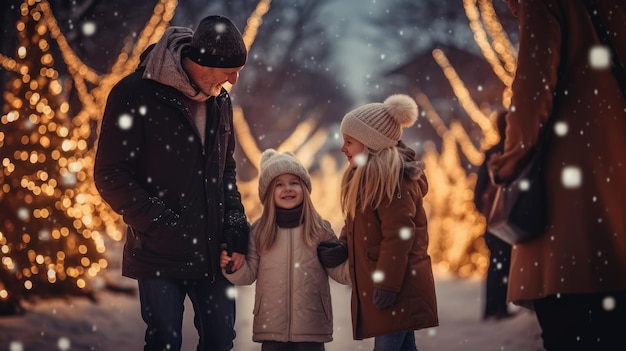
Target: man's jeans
162,306
402,341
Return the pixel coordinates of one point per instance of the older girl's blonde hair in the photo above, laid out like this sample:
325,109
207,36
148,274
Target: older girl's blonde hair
314,225
372,183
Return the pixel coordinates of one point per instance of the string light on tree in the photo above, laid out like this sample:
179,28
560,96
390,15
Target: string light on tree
47,248
54,224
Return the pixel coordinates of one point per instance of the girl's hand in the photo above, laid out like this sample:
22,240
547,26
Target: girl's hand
238,261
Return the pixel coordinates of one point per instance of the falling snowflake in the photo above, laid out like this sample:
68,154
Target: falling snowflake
44,235
571,177
378,276
16,346
220,28
64,344
608,303
23,214
360,160
89,28
599,57
125,121
405,233
231,292
524,185
561,128
69,179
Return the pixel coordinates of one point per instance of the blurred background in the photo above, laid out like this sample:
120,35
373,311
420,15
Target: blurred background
309,63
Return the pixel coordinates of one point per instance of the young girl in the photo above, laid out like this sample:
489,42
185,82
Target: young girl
393,291
292,308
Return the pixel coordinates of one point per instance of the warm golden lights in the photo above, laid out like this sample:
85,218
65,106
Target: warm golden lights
55,228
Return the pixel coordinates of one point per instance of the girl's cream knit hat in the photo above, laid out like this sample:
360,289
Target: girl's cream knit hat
274,164
379,125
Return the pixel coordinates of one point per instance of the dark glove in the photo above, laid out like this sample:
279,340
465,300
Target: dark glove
332,253
384,298
168,218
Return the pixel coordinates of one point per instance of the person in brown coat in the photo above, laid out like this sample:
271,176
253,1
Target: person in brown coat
574,274
393,290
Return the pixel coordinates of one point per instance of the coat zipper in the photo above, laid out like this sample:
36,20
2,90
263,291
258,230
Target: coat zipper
289,280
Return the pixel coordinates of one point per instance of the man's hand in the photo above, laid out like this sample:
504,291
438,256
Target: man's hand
231,263
224,259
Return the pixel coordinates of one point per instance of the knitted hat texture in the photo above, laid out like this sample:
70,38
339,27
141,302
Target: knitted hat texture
379,125
274,164
217,43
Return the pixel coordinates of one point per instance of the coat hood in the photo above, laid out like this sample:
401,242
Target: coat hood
162,62
412,168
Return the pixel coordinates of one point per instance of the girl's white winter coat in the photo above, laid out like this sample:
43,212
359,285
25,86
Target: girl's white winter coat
292,299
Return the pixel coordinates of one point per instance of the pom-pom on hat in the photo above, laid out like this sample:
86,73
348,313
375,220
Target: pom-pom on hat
379,125
274,164
217,43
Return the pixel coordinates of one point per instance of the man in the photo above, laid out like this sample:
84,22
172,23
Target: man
165,163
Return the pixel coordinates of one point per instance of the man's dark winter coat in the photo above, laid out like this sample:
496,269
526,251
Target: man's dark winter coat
150,159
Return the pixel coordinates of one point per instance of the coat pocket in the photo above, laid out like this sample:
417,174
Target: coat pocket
163,241
373,252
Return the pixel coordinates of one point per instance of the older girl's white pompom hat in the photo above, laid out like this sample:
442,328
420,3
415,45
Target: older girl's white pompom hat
379,126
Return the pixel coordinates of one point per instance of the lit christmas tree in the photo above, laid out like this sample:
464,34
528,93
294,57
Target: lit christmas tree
49,239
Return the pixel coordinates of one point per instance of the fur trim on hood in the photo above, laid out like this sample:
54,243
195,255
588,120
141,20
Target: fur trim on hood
412,168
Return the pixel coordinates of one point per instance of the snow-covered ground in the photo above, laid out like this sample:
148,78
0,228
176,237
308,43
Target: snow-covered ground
114,324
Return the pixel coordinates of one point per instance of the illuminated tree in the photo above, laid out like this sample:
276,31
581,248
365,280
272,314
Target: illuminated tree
53,224
47,247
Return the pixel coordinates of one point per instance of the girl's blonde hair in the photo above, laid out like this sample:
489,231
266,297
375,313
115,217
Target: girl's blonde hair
314,224
372,183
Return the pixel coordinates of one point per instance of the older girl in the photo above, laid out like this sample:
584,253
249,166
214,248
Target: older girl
393,291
